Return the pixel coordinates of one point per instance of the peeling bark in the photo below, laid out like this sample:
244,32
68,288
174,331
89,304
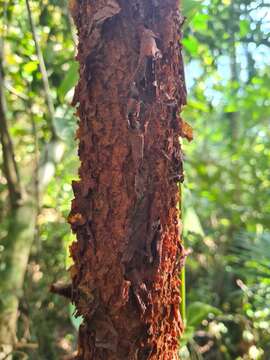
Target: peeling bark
128,253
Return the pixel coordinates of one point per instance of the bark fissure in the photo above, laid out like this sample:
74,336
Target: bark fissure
128,252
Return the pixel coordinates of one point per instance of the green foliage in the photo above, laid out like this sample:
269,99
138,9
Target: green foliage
69,81
250,248
226,202
190,8
44,318
196,313
65,123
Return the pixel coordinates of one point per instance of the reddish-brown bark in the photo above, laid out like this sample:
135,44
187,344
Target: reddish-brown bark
127,257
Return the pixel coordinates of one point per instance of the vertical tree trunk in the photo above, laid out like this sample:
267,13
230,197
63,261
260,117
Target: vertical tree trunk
128,254
23,207
17,248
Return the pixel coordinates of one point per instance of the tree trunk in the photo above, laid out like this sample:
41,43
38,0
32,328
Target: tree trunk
23,207
17,248
128,254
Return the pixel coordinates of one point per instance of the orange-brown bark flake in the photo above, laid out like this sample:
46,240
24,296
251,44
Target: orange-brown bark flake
127,257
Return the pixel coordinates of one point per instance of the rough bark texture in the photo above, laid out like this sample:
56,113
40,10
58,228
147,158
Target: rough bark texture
128,253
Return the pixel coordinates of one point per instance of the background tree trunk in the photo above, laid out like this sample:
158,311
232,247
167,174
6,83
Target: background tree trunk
23,213
17,245
128,255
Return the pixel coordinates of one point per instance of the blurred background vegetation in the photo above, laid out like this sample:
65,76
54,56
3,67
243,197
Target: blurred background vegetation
226,202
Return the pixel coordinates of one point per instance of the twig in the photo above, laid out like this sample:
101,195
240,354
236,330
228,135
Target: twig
42,69
22,345
15,92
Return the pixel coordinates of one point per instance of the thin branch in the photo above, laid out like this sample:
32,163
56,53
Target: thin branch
23,345
13,91
42,69
262,41
260,5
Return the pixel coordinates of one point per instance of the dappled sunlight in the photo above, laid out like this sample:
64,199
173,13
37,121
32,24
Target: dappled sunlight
135,153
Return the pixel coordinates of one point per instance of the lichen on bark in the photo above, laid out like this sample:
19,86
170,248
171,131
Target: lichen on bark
127,257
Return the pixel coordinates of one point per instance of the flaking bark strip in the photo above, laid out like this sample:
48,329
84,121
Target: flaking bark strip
128,255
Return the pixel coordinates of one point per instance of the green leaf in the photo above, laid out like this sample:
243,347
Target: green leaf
191,44
76,321
198,311
30,66
199,22
192,222
64,123
69,81
189,9
244,27
188,335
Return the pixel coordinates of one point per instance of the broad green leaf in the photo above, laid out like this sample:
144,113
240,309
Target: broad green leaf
198,311
69,81
192,222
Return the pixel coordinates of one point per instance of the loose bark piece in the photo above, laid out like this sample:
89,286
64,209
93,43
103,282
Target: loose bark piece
187,131
128,253
62,289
